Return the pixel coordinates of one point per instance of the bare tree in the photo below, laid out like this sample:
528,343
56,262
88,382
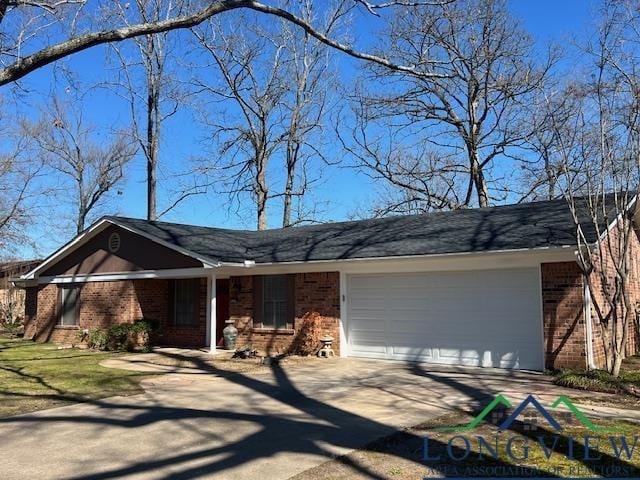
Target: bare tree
248,140
69,148
58,23
558,142
598,150
153,96
19,169
471,114
268,106
306,105
411,177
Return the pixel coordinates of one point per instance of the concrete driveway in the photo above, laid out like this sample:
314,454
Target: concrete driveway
266,425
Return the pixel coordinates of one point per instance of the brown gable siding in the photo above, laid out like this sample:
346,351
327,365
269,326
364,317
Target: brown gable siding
136,253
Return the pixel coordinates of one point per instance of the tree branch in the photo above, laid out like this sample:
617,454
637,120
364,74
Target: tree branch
45,56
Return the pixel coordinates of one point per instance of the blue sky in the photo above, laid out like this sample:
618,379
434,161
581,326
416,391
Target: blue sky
346,191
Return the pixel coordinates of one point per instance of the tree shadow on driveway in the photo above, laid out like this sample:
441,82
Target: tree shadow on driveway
321,430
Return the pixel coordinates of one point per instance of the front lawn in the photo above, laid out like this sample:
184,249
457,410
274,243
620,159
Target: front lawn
401,456
36,376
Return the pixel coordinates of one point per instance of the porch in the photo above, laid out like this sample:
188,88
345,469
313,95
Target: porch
185,308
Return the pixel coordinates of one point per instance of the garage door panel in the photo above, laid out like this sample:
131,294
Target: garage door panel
480,318
411,354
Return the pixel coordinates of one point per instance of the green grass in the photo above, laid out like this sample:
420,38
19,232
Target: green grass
628,382
36,376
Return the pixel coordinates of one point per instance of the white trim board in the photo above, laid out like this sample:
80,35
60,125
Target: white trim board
448,262
417,263
140,275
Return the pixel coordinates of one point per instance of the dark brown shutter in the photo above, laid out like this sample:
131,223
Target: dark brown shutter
291,299
258,305
77,305
59,307
171,303
196,301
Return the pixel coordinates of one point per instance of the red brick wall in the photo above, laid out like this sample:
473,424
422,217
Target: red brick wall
563,315
153,297
631,347
103,304
319,292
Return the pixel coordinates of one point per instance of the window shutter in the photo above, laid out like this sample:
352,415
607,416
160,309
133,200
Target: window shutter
196,299
258,305
78,300
171,312
59,307
291,300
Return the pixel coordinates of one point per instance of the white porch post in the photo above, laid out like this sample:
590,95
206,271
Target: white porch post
211,312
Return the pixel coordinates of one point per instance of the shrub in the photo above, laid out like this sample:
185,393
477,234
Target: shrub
118,337
12,329
307,340
122,337
98,339
143,331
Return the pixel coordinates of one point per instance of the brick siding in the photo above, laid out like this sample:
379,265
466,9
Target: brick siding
319,292
599,298
563,316
103,304
563,312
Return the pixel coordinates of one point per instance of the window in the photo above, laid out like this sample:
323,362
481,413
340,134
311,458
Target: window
185,302
69,306
274,301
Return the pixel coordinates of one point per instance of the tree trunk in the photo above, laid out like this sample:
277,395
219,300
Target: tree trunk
286,217
153,134
82,214
262,211
478,178
551,181
621,346
288,194
481,188
82,203
617,363
261,193
151,187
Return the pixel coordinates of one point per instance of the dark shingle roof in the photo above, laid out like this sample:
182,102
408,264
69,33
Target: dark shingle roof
509,227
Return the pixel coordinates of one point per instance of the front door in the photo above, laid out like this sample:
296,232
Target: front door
222,308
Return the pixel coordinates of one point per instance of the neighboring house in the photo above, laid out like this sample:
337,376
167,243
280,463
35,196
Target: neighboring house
12,298
495,287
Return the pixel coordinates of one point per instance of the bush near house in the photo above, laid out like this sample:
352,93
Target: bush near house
122,337
307,341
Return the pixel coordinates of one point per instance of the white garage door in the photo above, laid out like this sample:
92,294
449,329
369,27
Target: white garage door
488,318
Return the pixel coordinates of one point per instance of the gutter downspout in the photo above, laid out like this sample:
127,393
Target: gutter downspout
588,327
